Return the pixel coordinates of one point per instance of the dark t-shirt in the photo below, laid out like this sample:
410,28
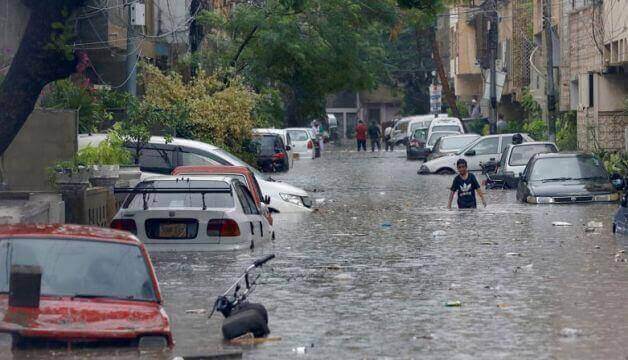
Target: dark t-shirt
466,191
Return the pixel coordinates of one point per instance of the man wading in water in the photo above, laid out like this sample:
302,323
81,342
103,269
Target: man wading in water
466,185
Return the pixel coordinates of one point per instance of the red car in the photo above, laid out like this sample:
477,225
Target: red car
81,285
245,175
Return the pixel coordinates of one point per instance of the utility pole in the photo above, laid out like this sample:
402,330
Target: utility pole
132,51
493,40
549,86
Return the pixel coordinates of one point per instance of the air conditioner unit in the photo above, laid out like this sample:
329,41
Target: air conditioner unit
138,14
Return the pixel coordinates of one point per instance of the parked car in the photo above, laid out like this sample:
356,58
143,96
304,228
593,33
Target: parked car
450,145
483,149
561,178
435,136
419,122
416,150
159,157
400,132
285,137
272,153
78,284
515,158
193,213
239,172
443,123
303,143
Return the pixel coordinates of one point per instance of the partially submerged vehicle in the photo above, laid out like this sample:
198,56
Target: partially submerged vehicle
65,284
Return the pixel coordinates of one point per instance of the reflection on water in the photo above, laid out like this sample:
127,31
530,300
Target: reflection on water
367,276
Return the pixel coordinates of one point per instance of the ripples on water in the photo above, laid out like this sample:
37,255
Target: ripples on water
366,277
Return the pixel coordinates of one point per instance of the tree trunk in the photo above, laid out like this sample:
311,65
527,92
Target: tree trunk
444,80
38,62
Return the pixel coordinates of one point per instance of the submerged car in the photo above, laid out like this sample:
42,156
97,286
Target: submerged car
514,159
302,142
450,145
193,213
416,148
160,156
65,284
484,149
271,152
564,178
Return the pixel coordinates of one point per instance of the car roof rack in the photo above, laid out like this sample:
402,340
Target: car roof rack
146,191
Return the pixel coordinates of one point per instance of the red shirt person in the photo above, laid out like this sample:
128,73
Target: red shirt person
360,135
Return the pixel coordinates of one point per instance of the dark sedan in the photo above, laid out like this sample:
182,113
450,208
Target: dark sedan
564,178
272,153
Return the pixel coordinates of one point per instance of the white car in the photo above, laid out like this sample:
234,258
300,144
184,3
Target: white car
302,142
287,141
445,123
200,213
418,123
434,136
159,157
483,149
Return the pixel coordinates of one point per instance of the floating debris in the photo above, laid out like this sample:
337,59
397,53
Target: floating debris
513,254
561,223
439,233
196,311
454,303
570,333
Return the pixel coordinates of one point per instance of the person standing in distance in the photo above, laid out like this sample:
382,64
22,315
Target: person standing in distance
466,185
360,135
375,134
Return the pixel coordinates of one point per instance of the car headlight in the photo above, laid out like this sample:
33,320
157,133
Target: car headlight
540,200
607,197
296,199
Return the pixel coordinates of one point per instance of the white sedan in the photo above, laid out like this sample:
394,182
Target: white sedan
200,213
302,142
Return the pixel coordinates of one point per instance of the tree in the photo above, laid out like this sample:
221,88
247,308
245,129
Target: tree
43,56
305,49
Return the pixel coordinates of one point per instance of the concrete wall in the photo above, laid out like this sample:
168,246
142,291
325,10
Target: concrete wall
48,136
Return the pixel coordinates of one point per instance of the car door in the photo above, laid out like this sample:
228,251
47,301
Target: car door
485,150
257,223
523,189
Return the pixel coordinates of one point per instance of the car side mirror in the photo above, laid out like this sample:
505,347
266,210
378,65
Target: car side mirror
618,181
288,148
624,200
272,210
470,153
266,200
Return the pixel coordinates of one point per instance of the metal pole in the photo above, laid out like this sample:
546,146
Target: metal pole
132,50
493,39
549,86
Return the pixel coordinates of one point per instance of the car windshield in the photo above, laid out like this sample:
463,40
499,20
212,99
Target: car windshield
420,134
455,143
81,268
298,135
567,168
437,135
455,128
522,154
181,200
419,125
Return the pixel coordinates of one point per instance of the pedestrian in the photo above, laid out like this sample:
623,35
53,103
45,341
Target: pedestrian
466,185
320,131
360,135
388,138
375,134
476,111
502,125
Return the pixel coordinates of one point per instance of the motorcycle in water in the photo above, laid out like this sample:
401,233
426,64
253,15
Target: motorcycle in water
241,316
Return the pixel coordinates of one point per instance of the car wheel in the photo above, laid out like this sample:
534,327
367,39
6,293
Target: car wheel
246,321
445,171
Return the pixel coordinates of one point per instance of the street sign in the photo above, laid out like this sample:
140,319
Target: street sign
436,98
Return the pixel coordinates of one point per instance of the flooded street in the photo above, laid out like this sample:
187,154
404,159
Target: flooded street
369,274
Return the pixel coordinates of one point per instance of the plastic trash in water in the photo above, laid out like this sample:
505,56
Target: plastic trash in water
453,303
439,233
299,350
570,332
595,225
561,223
196,311
513,254
386,225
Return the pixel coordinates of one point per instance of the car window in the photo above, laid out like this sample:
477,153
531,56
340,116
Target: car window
455,128
180,200
487,146
420,134
455,143
191,159
249,200
158,160
520,155
245,201
298,135
81,267
437,135
575,167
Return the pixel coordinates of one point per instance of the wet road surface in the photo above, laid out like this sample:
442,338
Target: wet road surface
369,274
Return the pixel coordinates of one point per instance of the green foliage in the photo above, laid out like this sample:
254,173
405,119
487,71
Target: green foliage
567,131
614,162
66,94
537,129
463,109
477,126
268,111
305,49
109,152
61,36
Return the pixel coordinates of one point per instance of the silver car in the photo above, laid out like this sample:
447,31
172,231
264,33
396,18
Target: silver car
515,158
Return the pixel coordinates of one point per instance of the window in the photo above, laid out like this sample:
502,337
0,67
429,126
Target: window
157,159
298,135
487,146
180,200
522,154
248,204
191,159
455,128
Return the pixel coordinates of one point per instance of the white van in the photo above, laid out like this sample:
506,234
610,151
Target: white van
446,124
